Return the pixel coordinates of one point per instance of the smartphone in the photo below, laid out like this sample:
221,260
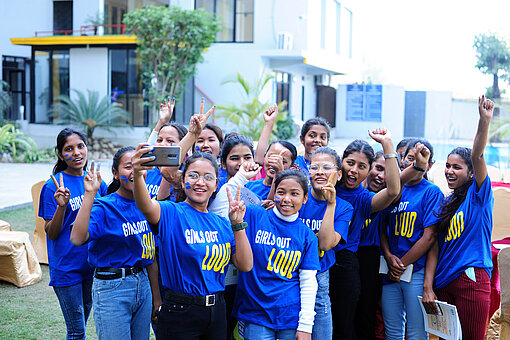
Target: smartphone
165,156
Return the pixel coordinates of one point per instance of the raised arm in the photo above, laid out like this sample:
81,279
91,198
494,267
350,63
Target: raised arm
149,208
270,116
384,197
486,110
243,257
166,110
80,229
196,125
62,195
328,237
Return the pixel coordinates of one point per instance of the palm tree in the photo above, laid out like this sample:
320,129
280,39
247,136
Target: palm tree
248,116
90,112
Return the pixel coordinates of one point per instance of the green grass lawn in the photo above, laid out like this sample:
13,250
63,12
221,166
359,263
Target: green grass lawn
31,312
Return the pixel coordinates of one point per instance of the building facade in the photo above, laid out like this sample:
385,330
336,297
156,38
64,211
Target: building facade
57,49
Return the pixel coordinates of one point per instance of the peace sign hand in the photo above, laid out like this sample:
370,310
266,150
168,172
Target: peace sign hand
197,121
236,209
92,180
62,194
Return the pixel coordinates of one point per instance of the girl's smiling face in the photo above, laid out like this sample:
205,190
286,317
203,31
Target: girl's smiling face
355,168
238,155
209,142
200,182
74,153
322,165
456,171
289,196
316,137
376,178
168,136
277,149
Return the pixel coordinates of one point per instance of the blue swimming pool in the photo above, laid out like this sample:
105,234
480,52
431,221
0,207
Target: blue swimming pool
495,155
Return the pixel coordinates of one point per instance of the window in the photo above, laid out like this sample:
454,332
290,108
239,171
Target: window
62,16
236,18
283,89
16,73
126,84
364,103
51,79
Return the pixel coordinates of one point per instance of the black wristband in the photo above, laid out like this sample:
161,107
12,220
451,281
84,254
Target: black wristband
417,168
239,226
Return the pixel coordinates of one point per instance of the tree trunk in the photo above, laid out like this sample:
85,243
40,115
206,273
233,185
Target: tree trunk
496,94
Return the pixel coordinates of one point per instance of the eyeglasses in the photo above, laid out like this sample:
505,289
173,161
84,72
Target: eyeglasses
194,176
326,167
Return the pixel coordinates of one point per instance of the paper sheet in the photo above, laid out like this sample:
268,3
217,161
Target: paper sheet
406,275
446,324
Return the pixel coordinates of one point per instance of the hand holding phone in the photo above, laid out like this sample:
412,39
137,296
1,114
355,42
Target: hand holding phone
165,156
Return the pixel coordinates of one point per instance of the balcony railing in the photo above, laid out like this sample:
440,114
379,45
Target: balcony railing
86,30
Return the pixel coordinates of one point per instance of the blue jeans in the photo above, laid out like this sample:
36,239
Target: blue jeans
122,307
323,323
400,304
251,331
75,303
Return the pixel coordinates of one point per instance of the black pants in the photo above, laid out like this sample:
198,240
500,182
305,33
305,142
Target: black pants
370,293
230,295
344,288
179,321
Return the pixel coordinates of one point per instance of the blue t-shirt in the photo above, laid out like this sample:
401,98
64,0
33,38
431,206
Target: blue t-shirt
222,177
68,263
312,214
361,200
304,165
153,181
194,249
408,219
259,188
370,232
468,240
119,235
269,294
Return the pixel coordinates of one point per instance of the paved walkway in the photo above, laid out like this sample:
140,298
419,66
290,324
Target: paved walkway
16,180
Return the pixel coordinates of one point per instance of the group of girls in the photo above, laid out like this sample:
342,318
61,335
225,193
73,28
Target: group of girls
266,244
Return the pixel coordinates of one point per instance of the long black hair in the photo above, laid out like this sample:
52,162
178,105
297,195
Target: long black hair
331,152
232,141
61,141
287,145
196,156
297,175
451,204
314,121
115,184
181,129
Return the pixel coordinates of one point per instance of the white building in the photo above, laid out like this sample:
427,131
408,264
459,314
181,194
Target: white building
47,50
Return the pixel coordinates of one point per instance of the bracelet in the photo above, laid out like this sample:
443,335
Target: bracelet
239,226
417,168
390,155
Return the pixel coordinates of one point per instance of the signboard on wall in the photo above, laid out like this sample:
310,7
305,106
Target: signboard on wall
364,102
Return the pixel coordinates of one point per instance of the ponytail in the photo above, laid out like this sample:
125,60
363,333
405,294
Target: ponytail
115,184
